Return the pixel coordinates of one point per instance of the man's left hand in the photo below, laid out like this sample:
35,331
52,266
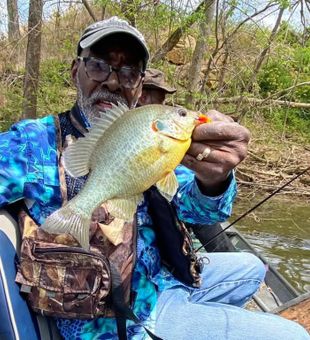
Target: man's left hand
223,143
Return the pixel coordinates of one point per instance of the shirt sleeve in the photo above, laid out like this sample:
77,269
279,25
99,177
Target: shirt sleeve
13,166
194,207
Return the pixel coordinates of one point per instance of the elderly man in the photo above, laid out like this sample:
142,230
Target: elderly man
109,68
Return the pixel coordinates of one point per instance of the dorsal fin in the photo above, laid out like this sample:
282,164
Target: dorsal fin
77,155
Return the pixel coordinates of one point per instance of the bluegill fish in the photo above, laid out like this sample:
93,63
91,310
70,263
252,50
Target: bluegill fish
125,153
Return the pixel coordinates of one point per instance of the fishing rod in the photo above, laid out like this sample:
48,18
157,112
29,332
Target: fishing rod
253,208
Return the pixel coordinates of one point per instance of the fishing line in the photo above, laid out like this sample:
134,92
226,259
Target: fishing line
253,208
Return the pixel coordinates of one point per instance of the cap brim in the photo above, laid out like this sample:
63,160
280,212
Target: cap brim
167,89
91,39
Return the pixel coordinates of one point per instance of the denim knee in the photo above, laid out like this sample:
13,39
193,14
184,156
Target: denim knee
255,266
299,332
287,329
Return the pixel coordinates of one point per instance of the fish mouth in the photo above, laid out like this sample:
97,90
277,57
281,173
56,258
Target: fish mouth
176,135
184,129
177,138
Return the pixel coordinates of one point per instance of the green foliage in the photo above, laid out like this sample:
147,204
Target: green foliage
274,76
10,112
292,121
292,68
55,72
284,3
301,61
159,21
55,93
288,34
102,3
55,87
68,45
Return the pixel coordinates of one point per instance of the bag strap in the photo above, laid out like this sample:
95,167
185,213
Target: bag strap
122,311
47,328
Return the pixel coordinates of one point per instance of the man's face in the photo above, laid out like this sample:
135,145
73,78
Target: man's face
94,96
152,96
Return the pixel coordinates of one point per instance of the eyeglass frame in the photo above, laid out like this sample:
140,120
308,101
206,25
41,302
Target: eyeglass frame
111,69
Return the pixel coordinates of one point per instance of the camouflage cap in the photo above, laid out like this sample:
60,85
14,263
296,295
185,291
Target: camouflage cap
155,79
104,28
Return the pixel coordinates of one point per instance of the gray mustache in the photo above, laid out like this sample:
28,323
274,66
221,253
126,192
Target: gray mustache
104,95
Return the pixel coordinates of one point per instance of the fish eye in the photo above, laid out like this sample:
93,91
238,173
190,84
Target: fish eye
182,113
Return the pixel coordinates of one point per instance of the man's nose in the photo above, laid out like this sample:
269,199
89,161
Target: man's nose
112,83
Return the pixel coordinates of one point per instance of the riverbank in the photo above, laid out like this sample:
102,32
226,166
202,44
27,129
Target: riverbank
272,161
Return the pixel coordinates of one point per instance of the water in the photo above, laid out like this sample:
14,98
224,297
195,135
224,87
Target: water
280,231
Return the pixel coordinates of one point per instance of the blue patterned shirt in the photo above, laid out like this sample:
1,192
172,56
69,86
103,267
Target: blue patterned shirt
29,171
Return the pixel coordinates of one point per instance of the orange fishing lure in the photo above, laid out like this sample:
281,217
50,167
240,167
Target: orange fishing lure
204,119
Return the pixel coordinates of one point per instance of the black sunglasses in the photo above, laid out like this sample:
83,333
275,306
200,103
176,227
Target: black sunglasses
98,70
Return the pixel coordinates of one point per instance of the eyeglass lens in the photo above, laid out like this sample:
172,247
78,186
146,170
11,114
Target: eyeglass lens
98,70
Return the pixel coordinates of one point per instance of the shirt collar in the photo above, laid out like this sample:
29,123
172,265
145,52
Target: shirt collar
79,120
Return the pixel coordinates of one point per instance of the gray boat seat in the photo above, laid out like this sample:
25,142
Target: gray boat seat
17,320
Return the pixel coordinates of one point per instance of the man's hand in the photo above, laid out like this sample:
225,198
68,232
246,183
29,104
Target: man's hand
224,144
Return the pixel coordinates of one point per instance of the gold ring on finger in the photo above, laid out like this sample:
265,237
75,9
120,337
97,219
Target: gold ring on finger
204,154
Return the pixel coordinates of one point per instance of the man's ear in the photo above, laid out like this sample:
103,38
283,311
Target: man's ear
74,69
141,96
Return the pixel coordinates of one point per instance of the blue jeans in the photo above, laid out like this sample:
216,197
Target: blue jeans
213,312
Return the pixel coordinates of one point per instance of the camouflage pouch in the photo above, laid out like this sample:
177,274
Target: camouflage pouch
61,279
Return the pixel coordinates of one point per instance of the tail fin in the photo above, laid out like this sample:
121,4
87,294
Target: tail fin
66,221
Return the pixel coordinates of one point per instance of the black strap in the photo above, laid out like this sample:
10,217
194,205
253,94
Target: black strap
47,328
122,311
121,328
170,239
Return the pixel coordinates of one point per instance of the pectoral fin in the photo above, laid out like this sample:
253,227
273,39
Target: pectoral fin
168,186
113,231
165,145
124,208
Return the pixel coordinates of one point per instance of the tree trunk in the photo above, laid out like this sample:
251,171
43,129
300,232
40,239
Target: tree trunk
199,52
13,20
176,35
33,55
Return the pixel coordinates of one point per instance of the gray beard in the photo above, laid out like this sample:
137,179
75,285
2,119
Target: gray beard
87,104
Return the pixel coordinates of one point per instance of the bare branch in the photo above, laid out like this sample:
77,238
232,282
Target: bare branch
89,10
174,38
281,92
226,39
236,99
260,59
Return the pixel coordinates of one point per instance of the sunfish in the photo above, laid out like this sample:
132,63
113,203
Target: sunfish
125,153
